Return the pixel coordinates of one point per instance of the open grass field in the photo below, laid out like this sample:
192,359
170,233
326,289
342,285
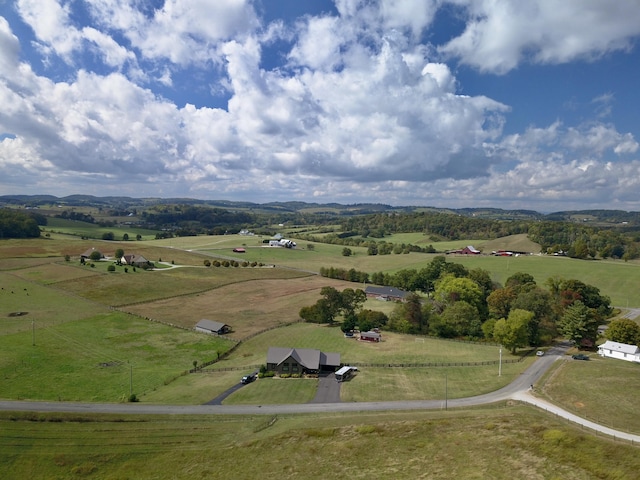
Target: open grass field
395,348
24,302
118,288
98,358
614,278
248,306
84,351
91,230
500,444
585,388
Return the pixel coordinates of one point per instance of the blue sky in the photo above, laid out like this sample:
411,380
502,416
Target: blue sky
450,103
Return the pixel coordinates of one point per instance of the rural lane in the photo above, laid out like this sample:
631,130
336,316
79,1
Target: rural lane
519,389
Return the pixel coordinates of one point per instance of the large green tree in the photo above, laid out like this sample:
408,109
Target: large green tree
624,330
451,289
334,303
460,320
513,332
539,302
579,323
499,302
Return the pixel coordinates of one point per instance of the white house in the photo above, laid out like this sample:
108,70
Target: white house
621,351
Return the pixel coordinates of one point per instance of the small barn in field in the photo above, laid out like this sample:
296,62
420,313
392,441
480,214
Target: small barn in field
212,327
621,351
370,336
468,250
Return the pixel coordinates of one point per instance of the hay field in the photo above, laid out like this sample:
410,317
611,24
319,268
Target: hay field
248,306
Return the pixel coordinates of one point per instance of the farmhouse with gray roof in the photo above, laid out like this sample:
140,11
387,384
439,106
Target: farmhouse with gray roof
301,360
386,293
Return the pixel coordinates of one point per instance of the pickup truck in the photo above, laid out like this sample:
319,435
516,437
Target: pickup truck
248,378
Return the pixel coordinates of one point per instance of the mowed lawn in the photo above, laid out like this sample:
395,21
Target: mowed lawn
99,358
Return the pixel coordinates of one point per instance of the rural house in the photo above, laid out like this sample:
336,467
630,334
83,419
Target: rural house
386,293
370,336
134,260
621,351
301,360
211,327
86,255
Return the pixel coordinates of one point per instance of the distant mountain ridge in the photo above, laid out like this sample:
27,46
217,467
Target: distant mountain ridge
600,216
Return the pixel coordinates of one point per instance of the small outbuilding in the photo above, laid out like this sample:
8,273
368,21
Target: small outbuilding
370,336
212,327
621,351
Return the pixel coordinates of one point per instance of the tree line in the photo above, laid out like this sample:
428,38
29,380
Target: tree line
19,224
451,301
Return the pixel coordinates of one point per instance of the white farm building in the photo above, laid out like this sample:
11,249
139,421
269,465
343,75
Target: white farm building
621,351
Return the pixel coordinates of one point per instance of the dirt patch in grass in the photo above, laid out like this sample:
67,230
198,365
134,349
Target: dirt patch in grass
248,307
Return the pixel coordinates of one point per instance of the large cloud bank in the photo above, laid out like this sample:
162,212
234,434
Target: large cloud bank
356,105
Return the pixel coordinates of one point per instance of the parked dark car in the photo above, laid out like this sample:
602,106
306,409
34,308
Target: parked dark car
248,378
580,356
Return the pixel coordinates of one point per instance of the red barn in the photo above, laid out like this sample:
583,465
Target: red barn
370,336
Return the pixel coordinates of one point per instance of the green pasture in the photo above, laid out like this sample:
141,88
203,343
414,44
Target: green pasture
25,303
99,358
428,383
496,443
395,348
615,278
586,389
119,288
91,230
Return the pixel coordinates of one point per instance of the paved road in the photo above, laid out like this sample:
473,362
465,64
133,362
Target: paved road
519,390
630,313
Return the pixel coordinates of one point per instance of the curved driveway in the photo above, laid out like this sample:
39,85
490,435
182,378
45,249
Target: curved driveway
519,390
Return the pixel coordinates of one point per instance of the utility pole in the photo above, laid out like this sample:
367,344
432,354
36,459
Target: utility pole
130,379
33,332
446,393
500,364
